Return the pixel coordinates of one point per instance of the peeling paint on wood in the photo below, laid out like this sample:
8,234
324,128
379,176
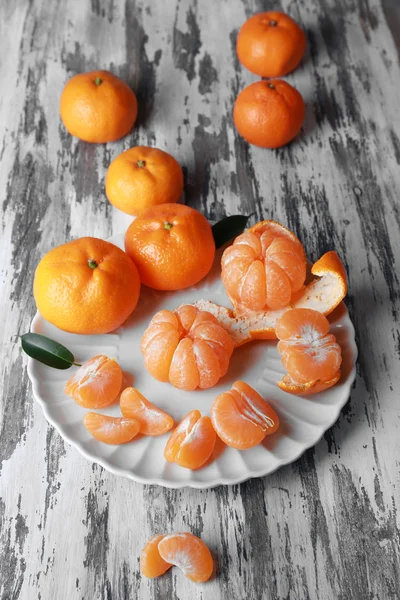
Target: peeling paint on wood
325,527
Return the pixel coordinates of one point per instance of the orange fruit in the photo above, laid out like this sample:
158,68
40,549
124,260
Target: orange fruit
270,44
111,430
263,268
192,442
142,177
242,418
153,420
189,553
151,563
309,353
172,246
96,383
186,347
98,107
86,286
269,114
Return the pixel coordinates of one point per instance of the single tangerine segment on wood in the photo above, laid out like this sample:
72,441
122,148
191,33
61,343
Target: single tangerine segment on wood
142,177
242,418
192,442
172,246
151,563
97,383
263,268
189,553
187,347
111,430
270,44
311,355
153,420
324,293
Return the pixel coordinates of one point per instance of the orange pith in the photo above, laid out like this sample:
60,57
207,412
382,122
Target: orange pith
98,107
189,553
191,444
270,44
142,177
111,430
263,268
186,347
151,563
242,418
96,383
309,353
172,246
86,286
153,420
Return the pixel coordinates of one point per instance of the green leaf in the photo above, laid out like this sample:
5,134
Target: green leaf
228,228
47,351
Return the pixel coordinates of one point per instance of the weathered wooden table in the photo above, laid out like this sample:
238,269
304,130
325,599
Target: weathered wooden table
325,527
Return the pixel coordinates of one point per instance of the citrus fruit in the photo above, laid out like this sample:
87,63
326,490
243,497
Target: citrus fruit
172,246
263,268
142,177
86,286
192,442
153,420
111,430
270,44
189,553
269,114
151,563
310,354
98,107
242,418
186,347
97,383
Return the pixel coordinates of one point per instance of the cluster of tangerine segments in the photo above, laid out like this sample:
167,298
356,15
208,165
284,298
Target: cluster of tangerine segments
187,347
310,354
183,550
264,268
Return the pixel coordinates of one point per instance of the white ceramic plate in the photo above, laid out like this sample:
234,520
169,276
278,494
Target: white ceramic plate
303,420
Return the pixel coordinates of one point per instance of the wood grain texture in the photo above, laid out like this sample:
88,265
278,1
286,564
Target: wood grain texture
325,527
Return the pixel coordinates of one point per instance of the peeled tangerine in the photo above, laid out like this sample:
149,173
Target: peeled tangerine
242,418
97,383
111,430
311,355
184,550
263,268
187,347
192,442
153,420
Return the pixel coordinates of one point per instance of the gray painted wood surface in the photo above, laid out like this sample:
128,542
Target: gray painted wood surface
325,527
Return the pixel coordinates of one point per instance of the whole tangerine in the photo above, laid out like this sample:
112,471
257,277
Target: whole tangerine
172,246
270,44
269,113
142,177
98,107
86,286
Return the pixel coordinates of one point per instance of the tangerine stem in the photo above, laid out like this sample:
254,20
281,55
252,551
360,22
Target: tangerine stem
273,23
168,225
98,81
92,263
271,85
141,163
76,365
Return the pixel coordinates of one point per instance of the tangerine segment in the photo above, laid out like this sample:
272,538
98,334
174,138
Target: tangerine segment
263,268
153,420
308,352
242,418
151,563
96,384
111,430
304,389
187,347
192,442
189,553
